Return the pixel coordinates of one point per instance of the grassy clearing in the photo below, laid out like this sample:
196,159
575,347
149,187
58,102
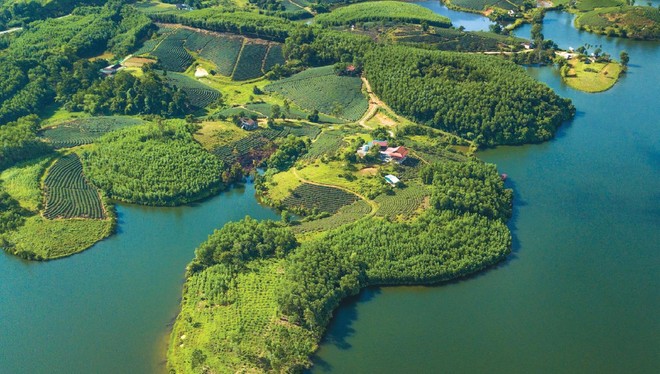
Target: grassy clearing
22,182
587,5
325,91
213,134
593,77
334,173
51,239
281,185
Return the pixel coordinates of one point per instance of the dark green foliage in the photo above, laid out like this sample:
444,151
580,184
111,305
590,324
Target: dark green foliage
18,141
171,54
310,198
274,57
250,61
12,215
468,187
318,277
127,94
240,242
153,165
198,94
223,52
288,151
85,130
68,194
477,97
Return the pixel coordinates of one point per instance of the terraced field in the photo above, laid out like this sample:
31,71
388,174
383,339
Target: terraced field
199,94
223,52
313,198
171,53
325,91
250,61
326,144
347,214
403,202
68,194
85,130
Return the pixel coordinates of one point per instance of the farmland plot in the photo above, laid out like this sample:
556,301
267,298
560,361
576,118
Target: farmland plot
310,198
199,94
223,52
250,62
68,194
403,202
274,57
85,130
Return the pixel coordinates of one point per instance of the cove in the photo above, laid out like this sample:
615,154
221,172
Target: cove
579,292
107,309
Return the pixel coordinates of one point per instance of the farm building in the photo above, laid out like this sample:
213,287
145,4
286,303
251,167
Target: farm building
248,124
110,70
387,154
183,7
392,180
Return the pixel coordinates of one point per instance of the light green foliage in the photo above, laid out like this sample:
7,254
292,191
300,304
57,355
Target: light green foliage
393,11
346,215
85,130
44,239
22,182
154,165
327,144
325,91
587,5
68,194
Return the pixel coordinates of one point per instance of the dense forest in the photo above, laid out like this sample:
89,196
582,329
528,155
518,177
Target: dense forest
156,164
480,98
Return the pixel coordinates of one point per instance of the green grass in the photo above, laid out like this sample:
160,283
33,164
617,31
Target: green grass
68,194
382,11
323,90
81,131
587,5
594,77
50,239
22,182
333,173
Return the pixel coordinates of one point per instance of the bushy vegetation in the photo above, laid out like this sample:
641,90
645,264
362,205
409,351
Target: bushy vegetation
322,89
68,194
382,11
19,141
156,164
314,199
84,130
636,22
481,98
128,94
587,5
22,183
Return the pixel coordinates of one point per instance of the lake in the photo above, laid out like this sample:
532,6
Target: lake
580,291
470,21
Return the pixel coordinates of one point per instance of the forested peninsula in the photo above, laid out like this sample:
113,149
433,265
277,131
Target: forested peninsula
359,129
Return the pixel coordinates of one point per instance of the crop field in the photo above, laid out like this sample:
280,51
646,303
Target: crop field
325,91
68,194
85,130
171,54
255,146
274,57
347,214
250,62
403,203
199,94
326,144
382,11
311,198
587,5
223,52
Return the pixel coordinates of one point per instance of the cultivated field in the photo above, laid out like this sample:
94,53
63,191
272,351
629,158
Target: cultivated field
85,130
311,198
199,94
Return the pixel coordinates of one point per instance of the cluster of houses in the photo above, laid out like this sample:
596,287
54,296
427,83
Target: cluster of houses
386,153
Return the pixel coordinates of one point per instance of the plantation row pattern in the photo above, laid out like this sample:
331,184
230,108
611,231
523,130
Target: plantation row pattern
68,194
85,130
403,202
199,95
313,198
235,56
347,214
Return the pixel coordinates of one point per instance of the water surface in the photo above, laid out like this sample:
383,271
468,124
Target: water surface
471,21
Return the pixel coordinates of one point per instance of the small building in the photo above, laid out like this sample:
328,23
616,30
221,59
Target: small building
381,144
398,154
526,45
110,70
248,124
183,7
392,180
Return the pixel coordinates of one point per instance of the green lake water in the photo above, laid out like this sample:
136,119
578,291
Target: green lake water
579,293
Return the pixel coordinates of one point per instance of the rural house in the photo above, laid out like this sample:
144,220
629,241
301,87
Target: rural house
387,154
183,7
392,180
248,124
110,70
